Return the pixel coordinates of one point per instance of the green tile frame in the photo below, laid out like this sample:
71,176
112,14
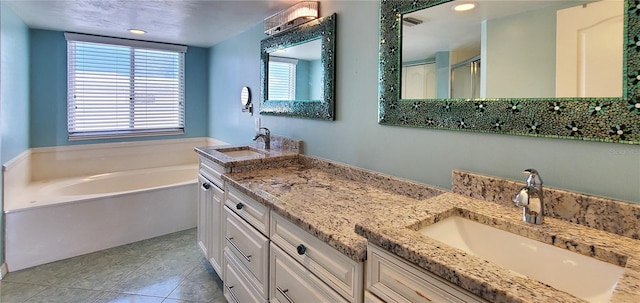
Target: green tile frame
322,28
615,120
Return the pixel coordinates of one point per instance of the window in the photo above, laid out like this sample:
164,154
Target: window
282,78
120,88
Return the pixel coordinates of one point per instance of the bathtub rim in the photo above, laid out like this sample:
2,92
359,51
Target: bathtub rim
28,191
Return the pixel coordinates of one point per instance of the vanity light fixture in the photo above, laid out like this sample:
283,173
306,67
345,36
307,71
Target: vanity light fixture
136,31
463,7
291,17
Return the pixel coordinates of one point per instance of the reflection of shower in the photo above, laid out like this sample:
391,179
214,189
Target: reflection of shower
465,78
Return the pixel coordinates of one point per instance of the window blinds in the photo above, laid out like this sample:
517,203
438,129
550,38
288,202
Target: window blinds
117,90
282,77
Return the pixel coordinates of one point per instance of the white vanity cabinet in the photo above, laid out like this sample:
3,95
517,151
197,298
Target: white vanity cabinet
250,248
246,248
292,282
344,275
237,288
210,205
393,279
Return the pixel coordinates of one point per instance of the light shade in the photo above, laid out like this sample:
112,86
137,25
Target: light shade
293,16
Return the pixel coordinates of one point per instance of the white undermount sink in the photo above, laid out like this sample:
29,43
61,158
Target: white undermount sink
584,277
242,152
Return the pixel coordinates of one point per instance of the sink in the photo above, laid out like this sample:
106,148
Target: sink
241,152
581,276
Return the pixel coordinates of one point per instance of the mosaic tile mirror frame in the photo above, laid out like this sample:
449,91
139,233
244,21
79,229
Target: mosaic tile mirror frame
323,109
603,119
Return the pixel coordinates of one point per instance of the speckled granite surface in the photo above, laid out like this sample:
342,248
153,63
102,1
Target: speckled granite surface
490,281
345,206
610,215
284,151
328,205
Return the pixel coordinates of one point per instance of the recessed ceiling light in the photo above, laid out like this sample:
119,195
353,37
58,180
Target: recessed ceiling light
464,7
137,31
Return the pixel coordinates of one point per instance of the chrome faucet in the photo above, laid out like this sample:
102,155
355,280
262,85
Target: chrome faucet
530,198
266,137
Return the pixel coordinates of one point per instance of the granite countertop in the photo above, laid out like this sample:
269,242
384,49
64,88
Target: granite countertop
328,205
283,151
215,154
345,207
490,281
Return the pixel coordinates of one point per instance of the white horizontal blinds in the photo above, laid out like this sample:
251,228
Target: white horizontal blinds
120,90
282,77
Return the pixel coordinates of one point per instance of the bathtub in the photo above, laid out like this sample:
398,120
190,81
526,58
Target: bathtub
57,219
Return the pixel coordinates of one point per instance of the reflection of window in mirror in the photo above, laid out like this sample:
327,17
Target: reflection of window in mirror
282,78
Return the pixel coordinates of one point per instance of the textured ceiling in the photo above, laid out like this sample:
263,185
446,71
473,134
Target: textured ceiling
192,22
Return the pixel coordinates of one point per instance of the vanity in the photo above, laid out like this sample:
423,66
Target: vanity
295,228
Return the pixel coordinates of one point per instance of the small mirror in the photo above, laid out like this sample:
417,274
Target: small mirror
298,71
245,99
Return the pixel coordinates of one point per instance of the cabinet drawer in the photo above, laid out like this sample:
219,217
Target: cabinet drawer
371,298
290,282
334,268
237,288
212,171
250,210
395,280
250,247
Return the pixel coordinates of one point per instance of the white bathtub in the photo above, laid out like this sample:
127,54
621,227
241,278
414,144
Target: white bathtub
57,219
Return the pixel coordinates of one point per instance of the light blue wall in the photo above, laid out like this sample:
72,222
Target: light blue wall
423,155
49,92
14,93
14,104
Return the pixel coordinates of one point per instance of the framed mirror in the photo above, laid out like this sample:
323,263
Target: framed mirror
494,70
298,71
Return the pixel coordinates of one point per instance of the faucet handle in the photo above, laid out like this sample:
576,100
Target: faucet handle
534,177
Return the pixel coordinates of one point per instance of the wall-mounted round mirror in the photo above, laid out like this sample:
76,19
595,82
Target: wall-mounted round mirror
245,97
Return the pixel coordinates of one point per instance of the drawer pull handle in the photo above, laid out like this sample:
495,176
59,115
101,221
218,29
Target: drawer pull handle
206,185
284,294
301,249
239,205
233,295
248,258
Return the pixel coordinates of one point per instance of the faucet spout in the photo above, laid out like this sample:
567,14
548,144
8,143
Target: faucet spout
266,137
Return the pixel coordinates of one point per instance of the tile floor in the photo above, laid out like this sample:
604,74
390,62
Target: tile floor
168,269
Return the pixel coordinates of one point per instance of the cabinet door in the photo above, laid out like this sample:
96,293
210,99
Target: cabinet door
203,213
290,282
215,228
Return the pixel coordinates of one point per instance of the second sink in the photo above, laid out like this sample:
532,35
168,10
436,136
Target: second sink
584,277
241,152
